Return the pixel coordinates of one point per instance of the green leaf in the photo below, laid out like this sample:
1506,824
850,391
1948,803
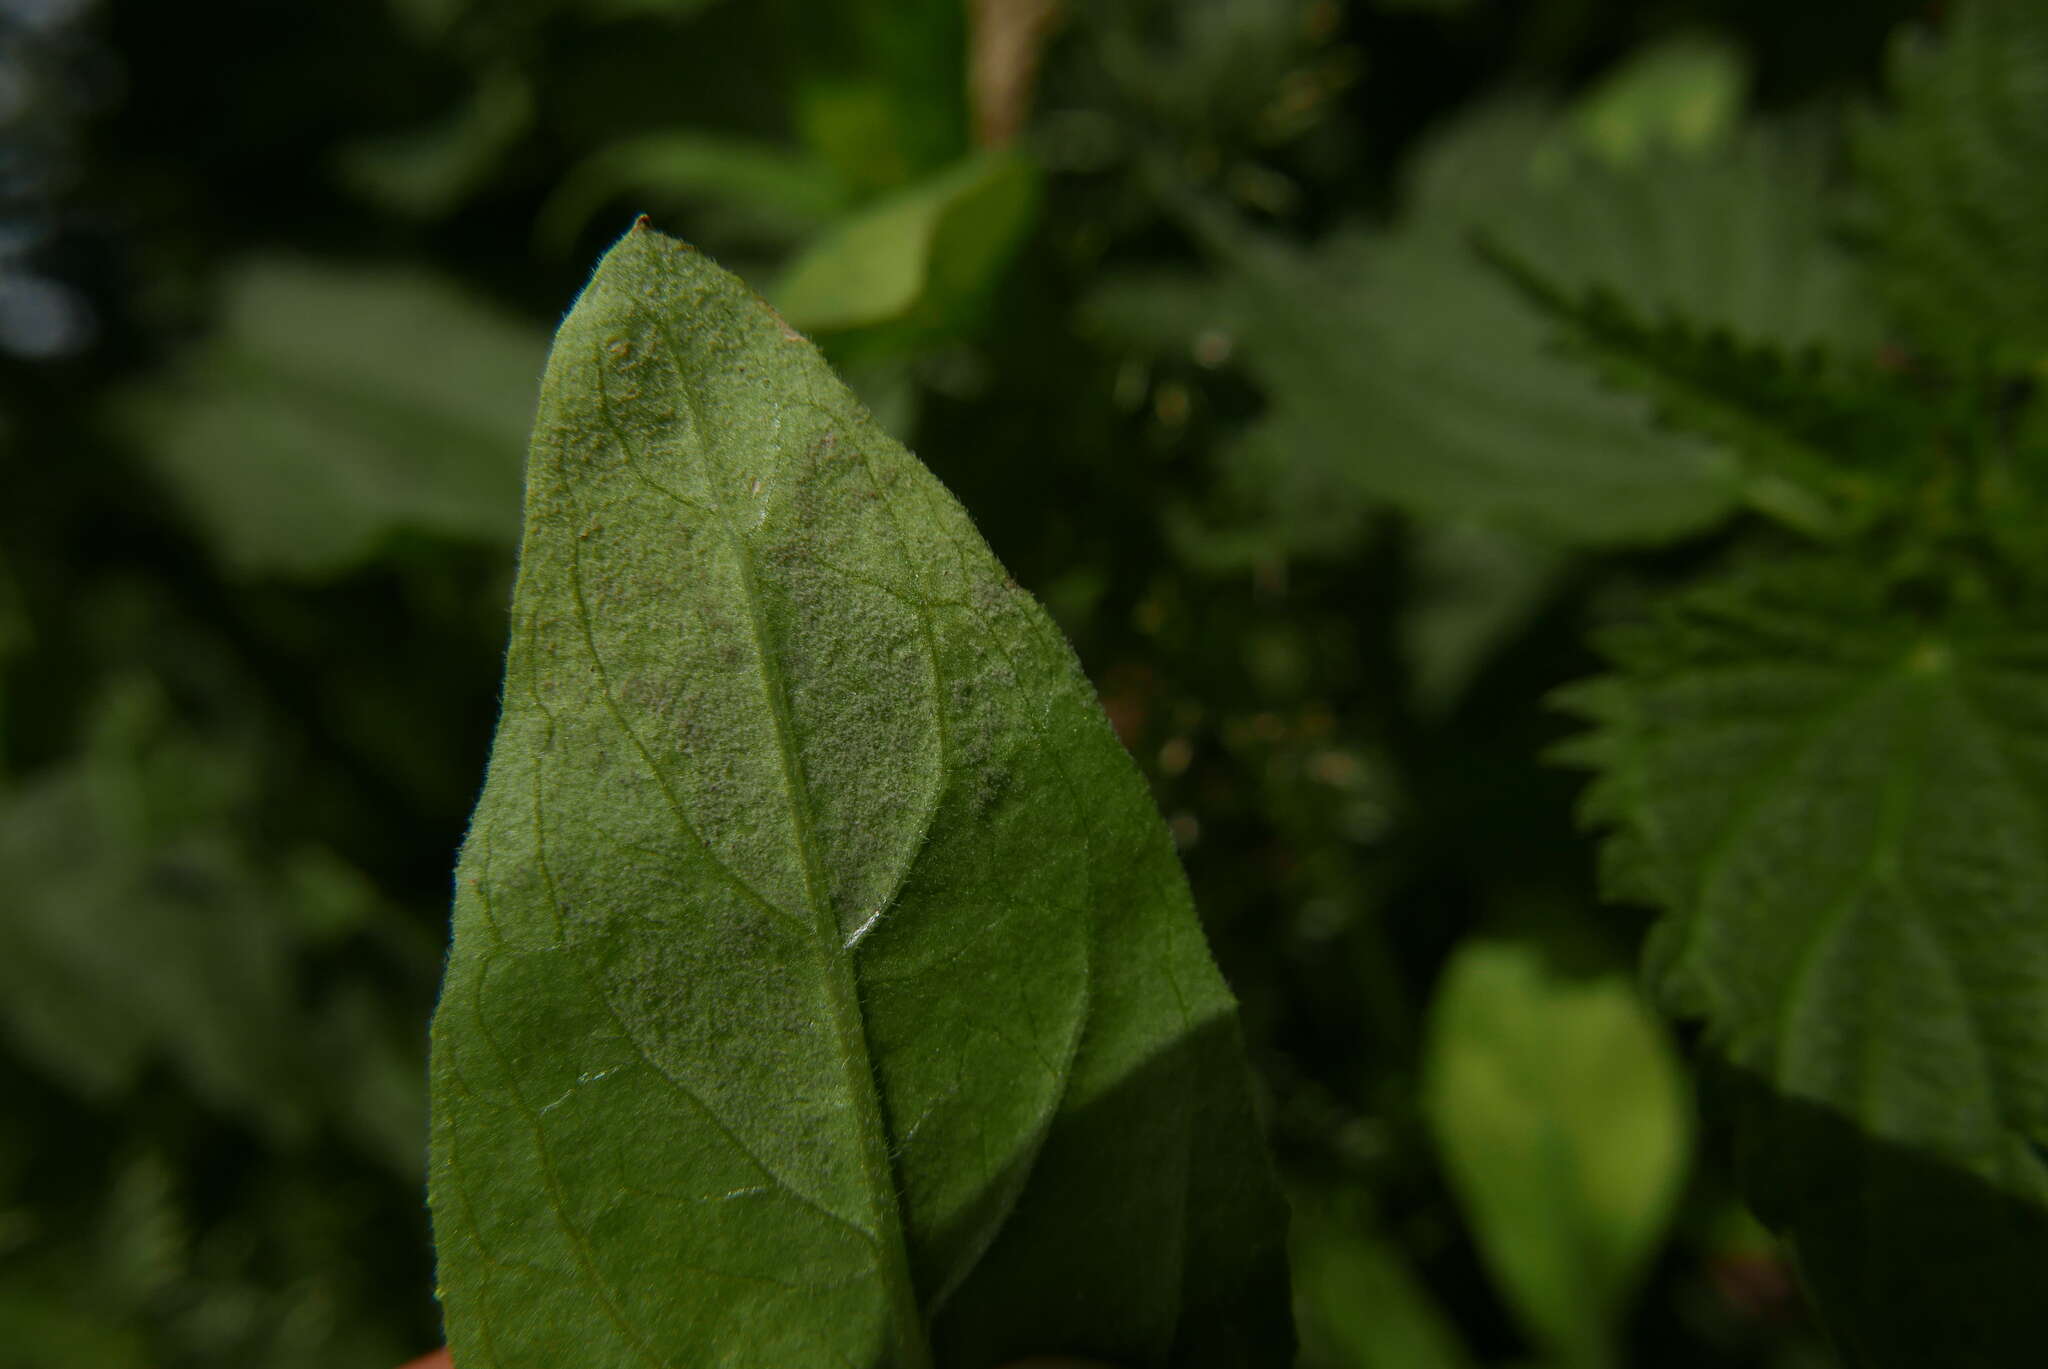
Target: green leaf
1957,207
1685,94
1357,1301
1837,806
335,408
926,254
1400,366
137,929
427,173
880,86
1565,1127
765,190
1826,447
824,988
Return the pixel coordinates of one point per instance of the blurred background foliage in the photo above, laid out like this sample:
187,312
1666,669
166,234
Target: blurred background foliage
1134,277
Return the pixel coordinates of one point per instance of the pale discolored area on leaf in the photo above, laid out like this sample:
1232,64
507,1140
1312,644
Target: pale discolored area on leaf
1841,808
824,988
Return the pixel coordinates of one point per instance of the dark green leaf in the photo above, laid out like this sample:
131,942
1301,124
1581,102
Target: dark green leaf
1958,207
1398,365
1838,806
426,173
1826,448
824,987
137,929
1358,1303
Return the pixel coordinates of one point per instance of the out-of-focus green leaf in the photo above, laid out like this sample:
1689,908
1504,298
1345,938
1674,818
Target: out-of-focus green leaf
428,19
128,1274
1836,804
824,988
334,408
764,188
1356,1301
1233,77
1685,95
429,172
1565,1126
1828,445
135,928
923,256
1408,370
1958,208
880,86
141,925
41,1333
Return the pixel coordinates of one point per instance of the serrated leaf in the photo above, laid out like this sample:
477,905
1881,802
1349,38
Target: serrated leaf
1958,209
1398,364
1838,808
1565,1129
1826,447
824,989
337,408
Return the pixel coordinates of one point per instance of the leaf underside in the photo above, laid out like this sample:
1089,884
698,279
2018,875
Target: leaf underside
1842,810
824,989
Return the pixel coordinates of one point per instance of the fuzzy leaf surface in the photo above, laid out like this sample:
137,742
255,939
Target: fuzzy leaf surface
824,990
1841,809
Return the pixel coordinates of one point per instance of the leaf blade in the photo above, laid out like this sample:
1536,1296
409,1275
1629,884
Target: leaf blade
1837,807
783,748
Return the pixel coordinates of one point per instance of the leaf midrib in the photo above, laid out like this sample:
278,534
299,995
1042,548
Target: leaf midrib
849,1025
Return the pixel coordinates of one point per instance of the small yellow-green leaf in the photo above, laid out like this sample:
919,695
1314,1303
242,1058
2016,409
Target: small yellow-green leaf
1684,95
928,249
1565,1128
